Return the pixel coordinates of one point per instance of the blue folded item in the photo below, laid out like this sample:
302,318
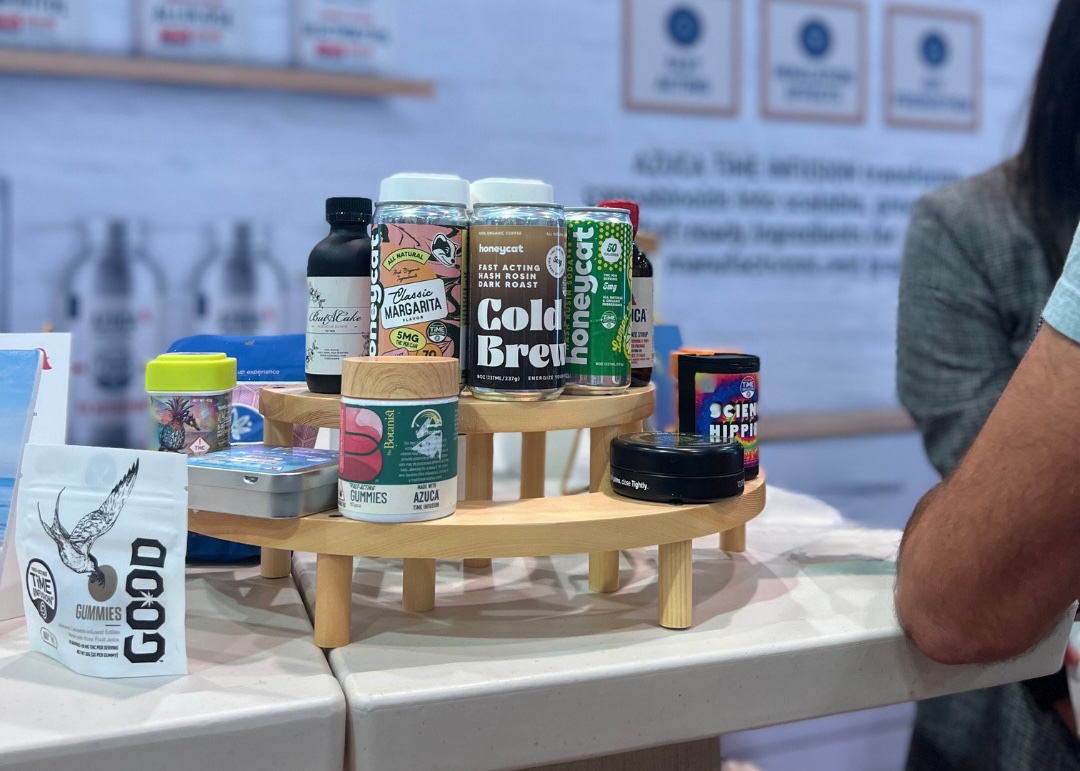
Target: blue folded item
274,359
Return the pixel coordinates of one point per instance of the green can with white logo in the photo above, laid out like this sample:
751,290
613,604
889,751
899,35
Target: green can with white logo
599,248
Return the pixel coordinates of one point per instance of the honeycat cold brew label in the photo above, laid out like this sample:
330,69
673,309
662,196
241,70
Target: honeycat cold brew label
416,290
398,463
517,280
101,541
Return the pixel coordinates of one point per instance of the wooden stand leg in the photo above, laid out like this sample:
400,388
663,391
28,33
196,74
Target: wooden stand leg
533,447
275,563
333,600
479,457
277,433
604,571
676,584
734,539
604,565
418,585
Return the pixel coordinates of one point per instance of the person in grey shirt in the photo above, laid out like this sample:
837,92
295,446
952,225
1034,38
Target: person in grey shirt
980,260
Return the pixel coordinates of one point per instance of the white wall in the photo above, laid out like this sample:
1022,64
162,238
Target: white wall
523,89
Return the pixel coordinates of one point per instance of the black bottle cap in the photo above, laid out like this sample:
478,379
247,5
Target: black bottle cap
348,209
676,468
718,363
683,455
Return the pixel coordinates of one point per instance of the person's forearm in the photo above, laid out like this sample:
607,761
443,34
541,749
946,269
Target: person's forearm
988,560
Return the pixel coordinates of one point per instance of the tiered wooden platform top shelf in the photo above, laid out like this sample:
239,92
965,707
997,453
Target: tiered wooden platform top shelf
475,416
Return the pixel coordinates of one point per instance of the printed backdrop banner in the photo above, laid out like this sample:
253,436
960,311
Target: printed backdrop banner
775,146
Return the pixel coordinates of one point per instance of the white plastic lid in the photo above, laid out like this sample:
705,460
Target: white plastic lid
504,190
425,188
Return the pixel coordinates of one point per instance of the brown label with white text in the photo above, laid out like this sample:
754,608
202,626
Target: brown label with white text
516,285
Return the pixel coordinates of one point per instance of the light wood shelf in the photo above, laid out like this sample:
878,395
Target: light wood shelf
476,416
573,524
210,74
600,523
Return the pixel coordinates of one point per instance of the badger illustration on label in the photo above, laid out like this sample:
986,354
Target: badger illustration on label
416,290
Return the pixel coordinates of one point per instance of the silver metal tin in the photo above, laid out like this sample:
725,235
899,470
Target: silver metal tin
265,482
533,215
592,384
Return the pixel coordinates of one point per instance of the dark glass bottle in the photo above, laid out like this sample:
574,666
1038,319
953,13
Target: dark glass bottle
641,321
339,294
641,306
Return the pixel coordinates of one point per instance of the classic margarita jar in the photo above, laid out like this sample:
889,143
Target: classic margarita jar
190,399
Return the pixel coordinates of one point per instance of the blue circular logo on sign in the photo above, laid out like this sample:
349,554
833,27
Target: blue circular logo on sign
815,38
934,49
246,424
684,26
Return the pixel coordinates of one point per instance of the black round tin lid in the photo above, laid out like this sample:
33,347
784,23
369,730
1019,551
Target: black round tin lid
684,455
722,363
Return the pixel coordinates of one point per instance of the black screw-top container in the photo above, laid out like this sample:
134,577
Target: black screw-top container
675,468
339,294
718,398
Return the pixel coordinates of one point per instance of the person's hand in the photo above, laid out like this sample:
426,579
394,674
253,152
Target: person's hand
1072,656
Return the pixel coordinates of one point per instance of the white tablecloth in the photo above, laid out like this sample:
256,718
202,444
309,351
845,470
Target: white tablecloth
258,695
523,665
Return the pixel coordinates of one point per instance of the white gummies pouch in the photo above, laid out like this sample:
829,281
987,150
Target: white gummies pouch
101,541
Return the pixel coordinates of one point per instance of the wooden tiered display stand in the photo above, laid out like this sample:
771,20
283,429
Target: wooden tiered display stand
599,523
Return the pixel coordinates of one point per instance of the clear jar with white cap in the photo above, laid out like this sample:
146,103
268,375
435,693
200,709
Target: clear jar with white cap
517,281
419,247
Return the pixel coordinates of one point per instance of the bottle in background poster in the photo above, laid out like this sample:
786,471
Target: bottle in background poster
151,304
239,291
101,317
272,285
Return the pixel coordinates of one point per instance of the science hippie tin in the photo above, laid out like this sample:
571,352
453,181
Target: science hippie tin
267,482
676,468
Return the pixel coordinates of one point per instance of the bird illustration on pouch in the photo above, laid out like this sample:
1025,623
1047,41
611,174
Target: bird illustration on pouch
74,547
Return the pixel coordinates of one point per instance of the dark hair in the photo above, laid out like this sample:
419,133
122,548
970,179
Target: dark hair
1047,171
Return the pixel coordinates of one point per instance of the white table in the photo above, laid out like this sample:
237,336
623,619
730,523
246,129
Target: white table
523,666
258,695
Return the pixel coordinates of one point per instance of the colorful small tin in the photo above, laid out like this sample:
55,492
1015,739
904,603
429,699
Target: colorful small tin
190,399
718,398
258,481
